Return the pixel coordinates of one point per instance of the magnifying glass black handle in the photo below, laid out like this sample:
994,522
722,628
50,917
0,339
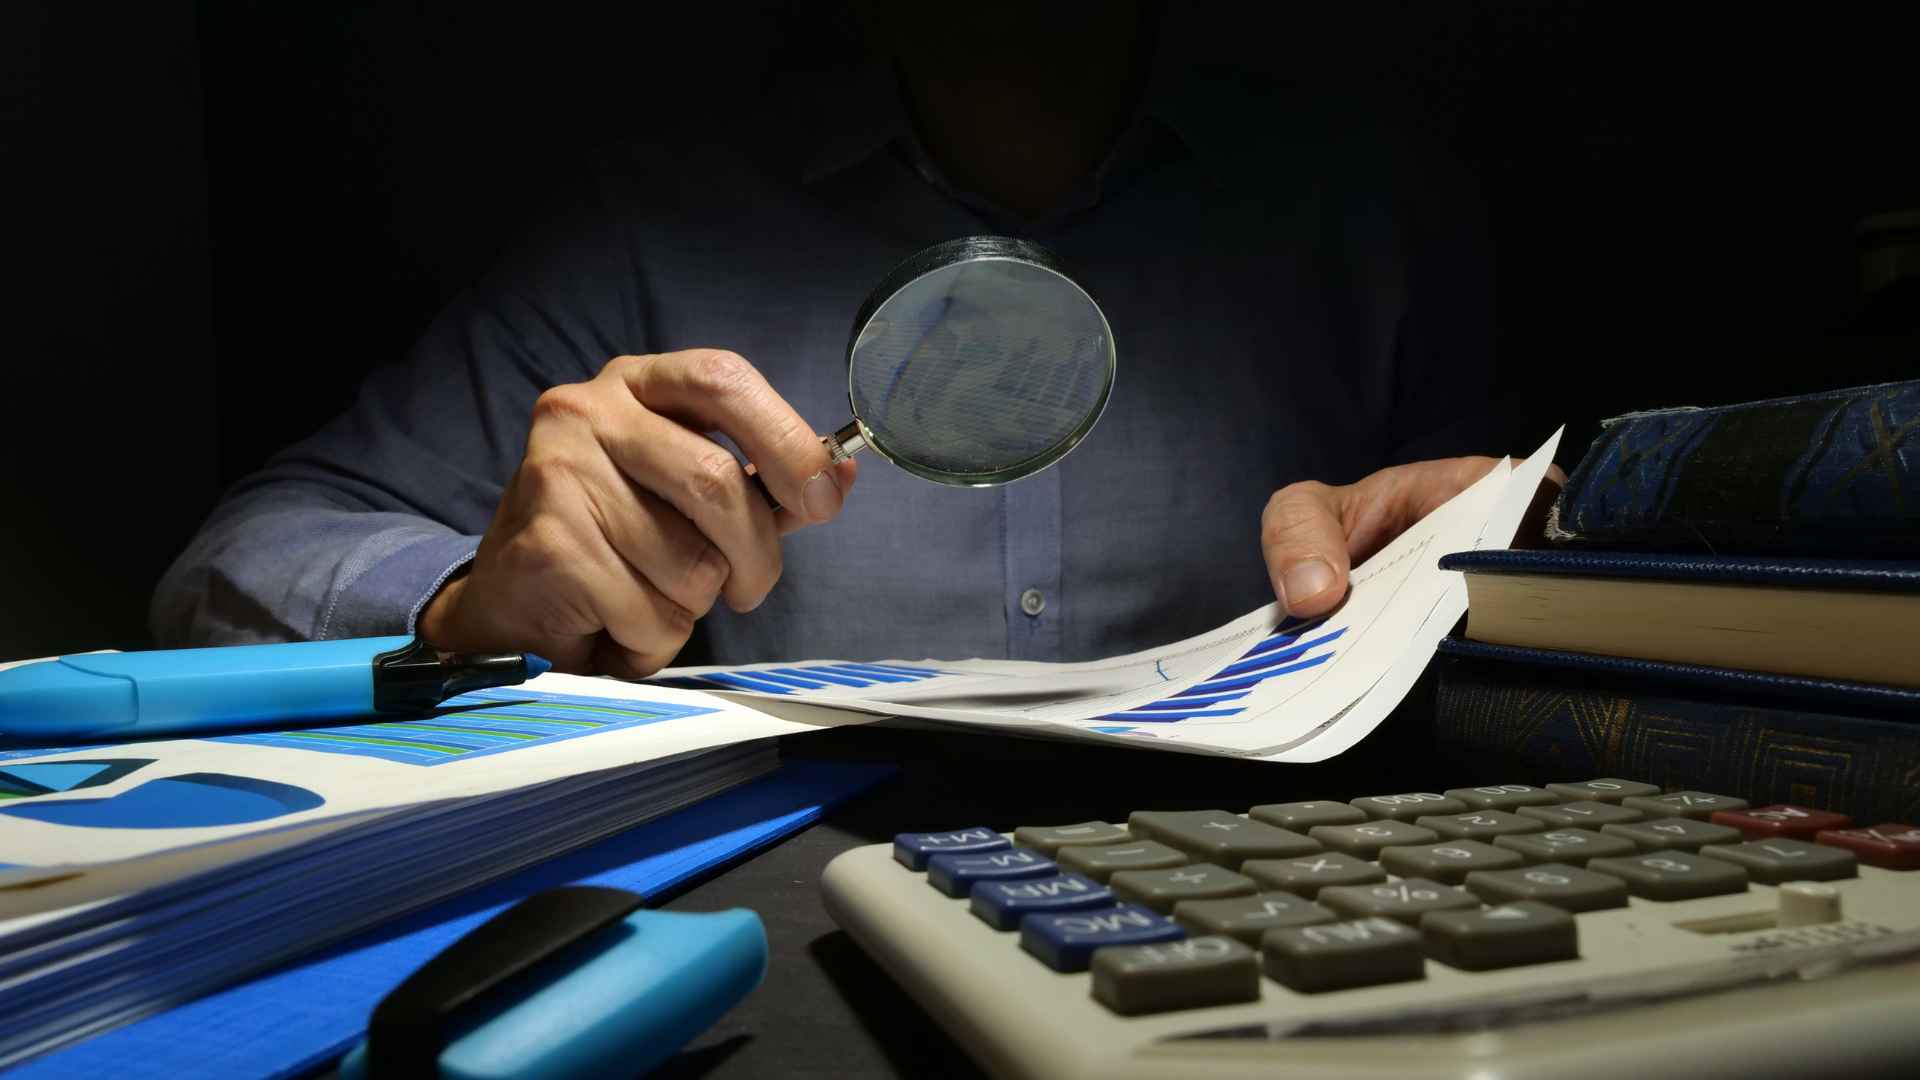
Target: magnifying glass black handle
840,445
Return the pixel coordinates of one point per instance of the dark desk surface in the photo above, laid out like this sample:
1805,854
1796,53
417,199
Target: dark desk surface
826,1009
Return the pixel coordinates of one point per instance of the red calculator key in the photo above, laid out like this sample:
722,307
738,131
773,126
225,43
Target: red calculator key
1889,847
1781,820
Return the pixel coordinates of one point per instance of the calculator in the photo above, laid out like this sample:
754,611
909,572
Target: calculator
1599,928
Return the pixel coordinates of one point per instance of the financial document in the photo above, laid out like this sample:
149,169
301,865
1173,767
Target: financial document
1262,686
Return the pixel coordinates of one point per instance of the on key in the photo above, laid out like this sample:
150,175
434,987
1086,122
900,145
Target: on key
912,850
956,875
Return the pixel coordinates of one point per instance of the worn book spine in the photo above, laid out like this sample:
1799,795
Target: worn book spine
1835,473
1508,722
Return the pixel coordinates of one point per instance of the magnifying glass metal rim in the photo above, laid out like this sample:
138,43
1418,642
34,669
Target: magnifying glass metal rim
852,438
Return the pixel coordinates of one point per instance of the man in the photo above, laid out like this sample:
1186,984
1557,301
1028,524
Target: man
1292,297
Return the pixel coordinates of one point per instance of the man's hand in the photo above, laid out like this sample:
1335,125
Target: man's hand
1312,533
625,522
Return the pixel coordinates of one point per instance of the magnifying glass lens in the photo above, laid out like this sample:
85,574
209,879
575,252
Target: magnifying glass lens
975,362
981,370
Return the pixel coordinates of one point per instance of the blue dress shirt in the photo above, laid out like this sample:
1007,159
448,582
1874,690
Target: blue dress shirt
1292,295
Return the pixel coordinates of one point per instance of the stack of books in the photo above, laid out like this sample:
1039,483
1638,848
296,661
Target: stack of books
1727,599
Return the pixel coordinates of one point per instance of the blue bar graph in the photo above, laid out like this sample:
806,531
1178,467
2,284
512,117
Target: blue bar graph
785,680
1279,654
486,722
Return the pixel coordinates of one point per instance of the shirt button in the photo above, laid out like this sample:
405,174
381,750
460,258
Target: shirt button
1033,601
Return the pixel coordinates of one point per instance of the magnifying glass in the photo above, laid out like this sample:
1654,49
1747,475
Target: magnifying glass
975,362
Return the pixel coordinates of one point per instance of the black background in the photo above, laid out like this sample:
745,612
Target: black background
222,215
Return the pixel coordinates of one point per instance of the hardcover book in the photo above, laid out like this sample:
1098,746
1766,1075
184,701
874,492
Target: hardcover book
1503,712
1831,473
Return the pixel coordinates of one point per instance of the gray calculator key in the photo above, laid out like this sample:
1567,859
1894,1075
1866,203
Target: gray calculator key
1573,846
1191,974
1610,789
1301,816
1698,805
1502,796
1161,889
1568,888
1306,876
1365,841
1449,861
1771,862
1404,900
1335,956
1100,863
1218,836
1480,824
1674,875
1582,815
1407,805
1509,935
1047,839
1248,917
1673,834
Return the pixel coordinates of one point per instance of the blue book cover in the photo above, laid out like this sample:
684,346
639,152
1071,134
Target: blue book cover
1831,473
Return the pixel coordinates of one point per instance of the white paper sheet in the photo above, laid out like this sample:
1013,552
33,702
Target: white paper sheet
1260,686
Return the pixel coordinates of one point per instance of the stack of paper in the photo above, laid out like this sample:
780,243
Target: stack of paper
1261,686
144,874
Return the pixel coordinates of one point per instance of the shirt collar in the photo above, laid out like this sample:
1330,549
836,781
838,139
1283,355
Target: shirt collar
845,117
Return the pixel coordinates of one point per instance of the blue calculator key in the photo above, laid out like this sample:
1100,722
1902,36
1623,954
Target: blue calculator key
956,875
912,850
1002,904
1066,942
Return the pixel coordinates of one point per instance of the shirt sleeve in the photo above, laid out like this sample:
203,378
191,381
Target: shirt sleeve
349,532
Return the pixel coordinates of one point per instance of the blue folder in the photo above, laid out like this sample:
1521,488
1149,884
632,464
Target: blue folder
303,1016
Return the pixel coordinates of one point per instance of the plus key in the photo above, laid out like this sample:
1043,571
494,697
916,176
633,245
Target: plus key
1889,847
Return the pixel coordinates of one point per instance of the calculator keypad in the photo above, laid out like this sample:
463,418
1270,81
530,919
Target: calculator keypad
1249,917
1674,875
1509,935
1048,840
1673,834
1366,841
1301,816
1162,889
1771,862
1102,862
1449,862
1404,900
1190,974
1337,956
1407,806
1306,876
1503,796
1220,837
1480,824
1568,888
1582,815
1187,909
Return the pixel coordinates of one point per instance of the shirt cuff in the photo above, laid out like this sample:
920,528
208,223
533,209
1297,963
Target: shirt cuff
388,596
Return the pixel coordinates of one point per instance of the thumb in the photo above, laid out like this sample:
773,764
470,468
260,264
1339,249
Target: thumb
1305,544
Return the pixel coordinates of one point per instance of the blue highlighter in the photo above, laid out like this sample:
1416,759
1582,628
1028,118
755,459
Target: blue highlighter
139,695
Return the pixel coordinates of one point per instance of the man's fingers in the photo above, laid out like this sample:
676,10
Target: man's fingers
701,480
658,541
715,390
841,474
1306,547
